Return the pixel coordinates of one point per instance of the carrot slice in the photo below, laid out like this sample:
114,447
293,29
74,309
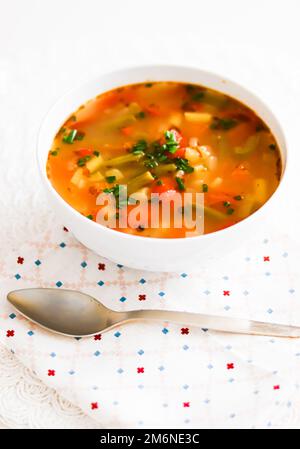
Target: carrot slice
127,131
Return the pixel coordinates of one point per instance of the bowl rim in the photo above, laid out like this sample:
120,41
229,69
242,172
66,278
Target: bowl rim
164,241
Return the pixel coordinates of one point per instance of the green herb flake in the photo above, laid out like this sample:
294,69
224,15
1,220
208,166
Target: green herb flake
148,84
159,182
230,211
73,118
141,115
140,147
226,204
225,123
90,217
190,88
204,188
70,137
272,146
83,160
54,152
180,183
198,96
238,197
96,153
183,164
111,179
171,144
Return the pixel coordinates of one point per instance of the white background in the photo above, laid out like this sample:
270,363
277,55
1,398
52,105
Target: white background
47,47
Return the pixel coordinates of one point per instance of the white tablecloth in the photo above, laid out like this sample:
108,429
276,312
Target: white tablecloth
47,47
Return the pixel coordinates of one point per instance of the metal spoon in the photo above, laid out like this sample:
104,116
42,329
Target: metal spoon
75,314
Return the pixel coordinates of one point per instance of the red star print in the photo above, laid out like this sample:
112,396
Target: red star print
276,387
65,229
186,404
142,297
140,370
20,260
94,405
230,365
97,337
51,372
101,266
226,292
10,333
266,258
185,331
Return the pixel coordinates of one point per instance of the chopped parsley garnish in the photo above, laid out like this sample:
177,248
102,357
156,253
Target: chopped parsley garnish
116,192
171,144
110,179
70,137
141,115
73,118
190,88
238,197
230,211
54,152
204,188
157,153
96,153
148,84
225,123
90,217
226,203
198,96
180,183
272,146
159,182
140,147
183,164
83,160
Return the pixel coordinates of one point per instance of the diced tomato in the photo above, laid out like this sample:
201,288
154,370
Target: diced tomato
127,131
212,197
180,152
153,110
168,185
85,152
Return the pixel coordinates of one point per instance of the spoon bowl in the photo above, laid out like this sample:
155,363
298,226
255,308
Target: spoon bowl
66,312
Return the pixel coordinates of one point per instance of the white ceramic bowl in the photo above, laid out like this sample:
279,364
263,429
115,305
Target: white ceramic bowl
153,253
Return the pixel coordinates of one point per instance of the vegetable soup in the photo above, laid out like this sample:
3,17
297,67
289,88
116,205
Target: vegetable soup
165,138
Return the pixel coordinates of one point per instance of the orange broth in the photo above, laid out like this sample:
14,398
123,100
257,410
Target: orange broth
170,137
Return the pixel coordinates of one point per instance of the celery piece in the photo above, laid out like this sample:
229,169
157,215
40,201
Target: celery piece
139,182
250,145
164,169
94,164
214,213
134,108
96,177
120,160
215,99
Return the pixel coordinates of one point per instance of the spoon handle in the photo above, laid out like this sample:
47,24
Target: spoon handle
224,324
